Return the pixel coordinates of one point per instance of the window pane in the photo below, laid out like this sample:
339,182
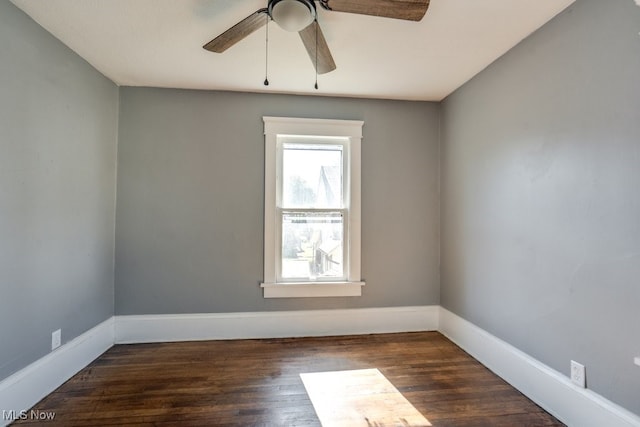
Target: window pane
312,176
312,245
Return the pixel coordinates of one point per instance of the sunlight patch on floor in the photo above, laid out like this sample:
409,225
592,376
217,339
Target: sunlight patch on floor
361,397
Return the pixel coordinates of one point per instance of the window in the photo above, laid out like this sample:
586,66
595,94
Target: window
312,208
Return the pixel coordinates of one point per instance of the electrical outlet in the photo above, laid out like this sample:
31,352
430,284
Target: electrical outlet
637,360
578,374
56,338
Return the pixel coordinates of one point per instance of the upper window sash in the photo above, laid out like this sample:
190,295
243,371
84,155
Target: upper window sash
282,144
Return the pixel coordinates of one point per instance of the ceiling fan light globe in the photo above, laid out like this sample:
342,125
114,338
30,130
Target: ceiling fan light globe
292,15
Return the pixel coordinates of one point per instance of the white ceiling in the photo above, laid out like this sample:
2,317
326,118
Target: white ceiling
159,43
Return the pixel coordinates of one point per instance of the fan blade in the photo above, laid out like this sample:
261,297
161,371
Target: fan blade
409,10
242,29
324,59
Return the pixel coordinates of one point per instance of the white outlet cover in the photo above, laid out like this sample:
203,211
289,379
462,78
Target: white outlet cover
56,338
637,360
578,374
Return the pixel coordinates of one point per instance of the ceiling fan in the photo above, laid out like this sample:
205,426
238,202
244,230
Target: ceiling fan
300,16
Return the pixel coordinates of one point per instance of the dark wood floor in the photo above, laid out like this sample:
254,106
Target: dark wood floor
257,382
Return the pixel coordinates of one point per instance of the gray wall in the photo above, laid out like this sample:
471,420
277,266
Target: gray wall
190,200
58,129
541,196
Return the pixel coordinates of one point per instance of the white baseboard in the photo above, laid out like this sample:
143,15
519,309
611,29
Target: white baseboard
213,326
28,386
550,389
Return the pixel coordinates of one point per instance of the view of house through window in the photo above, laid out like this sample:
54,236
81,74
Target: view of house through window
312,208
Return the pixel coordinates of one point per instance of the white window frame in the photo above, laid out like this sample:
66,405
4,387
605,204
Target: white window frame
277,129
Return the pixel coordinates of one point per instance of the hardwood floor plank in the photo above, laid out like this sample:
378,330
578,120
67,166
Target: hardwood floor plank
257,383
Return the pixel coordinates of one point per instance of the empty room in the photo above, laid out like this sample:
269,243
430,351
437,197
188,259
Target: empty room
411,213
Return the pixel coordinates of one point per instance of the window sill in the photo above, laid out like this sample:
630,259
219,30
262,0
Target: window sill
312,289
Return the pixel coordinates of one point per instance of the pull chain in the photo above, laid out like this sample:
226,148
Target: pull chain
316,85
266,53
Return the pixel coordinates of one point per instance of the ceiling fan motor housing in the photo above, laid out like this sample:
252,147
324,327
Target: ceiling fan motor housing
292,15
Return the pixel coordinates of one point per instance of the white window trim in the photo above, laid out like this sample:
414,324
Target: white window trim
284,126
